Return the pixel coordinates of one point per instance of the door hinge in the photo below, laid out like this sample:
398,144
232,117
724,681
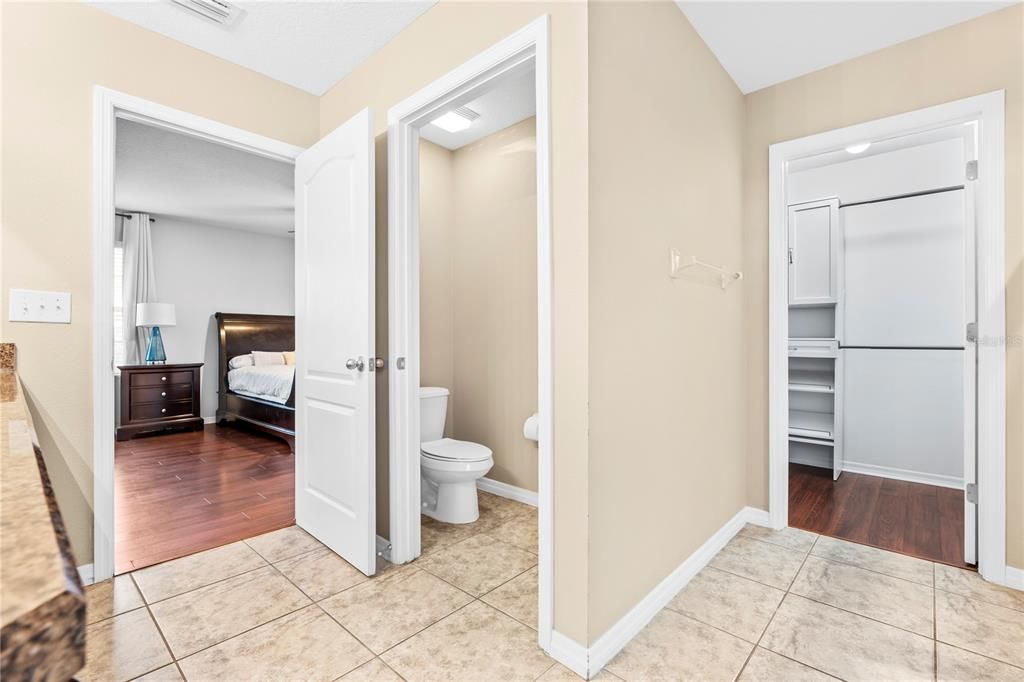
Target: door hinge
971,491
972,170
790,256
972,332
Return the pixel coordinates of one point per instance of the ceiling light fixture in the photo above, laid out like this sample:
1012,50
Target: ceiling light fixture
858,148
457,120
217,11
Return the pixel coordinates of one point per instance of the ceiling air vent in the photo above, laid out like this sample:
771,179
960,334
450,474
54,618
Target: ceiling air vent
223,13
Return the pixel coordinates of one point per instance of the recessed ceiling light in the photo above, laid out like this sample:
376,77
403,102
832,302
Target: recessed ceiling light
858,148
457,120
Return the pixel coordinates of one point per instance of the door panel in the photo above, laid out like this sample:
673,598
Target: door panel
334,335
813,242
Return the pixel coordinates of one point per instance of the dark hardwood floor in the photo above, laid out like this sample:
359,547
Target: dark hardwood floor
924,521
181,493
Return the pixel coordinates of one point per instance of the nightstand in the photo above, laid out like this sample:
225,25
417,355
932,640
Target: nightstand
159,397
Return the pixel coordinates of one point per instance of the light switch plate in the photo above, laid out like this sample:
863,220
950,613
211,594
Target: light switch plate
27,305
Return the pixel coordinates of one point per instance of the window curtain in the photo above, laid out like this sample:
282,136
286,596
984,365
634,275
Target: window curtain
139,284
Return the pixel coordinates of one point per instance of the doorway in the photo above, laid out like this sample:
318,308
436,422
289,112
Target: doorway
886,373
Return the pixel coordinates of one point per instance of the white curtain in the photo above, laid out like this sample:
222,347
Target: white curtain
139,282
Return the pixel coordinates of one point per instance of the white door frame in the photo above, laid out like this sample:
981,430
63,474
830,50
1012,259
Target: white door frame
530,44
988,111
108,106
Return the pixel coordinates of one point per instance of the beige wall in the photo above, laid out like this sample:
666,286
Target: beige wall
53,55
443,38
968,59
666,356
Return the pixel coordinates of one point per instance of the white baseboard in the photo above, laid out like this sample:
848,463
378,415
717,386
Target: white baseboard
1014,577
86,574
825,462
569,653
618,636
505,490
210,420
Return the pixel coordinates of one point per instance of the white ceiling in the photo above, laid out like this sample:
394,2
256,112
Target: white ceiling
310,45
509,101
763,43
171,175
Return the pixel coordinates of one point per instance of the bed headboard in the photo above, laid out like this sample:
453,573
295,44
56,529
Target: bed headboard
241,333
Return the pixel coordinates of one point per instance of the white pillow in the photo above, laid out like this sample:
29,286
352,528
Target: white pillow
240,361
289,357
262,358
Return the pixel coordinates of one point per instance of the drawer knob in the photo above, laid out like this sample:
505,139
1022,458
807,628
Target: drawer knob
164,409
163,378
163,393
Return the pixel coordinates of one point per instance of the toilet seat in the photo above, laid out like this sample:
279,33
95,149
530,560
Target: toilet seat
451,450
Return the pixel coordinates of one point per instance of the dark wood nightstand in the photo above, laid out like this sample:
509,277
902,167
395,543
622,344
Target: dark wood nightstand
158,397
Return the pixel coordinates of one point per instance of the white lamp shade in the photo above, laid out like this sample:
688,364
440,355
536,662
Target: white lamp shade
154,315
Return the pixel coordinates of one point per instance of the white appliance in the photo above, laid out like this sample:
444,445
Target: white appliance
903,334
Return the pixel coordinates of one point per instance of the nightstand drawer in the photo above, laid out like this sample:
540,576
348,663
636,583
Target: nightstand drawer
161,393
162,410
160,378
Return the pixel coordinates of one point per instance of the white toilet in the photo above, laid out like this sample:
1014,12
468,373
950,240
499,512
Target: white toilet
449,468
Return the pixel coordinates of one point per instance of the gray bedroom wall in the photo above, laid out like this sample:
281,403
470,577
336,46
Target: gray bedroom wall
202,270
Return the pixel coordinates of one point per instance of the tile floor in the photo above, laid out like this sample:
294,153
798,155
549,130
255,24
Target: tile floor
786,605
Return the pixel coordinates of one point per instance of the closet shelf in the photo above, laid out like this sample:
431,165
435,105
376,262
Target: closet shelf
811,424
811,388
812,441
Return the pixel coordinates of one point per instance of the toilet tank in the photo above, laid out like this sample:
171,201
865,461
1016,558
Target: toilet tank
433,409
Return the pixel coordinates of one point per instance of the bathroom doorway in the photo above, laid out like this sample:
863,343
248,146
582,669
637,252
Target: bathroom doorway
469,292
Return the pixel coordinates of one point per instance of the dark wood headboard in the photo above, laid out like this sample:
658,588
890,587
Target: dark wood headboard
241,333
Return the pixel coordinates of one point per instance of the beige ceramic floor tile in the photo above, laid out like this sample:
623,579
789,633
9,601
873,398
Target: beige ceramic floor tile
980,627
676,647
496,510
846,645
111,597
168,673
374,671
517,598
873,559
123,647
384,611
283,544
305,645
894,601
211,614
435,535
559,673
188,573
970,584
474,643
320,573
766,563
768,666
479,564
957,665
739,606
790,538
519,531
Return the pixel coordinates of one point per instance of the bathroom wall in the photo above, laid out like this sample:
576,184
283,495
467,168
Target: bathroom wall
478,292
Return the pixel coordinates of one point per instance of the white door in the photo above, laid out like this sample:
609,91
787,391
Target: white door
334,325
813,252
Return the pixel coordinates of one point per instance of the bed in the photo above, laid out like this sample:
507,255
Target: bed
258,398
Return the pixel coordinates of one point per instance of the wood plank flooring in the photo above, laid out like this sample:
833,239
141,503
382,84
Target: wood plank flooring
924,521
181,493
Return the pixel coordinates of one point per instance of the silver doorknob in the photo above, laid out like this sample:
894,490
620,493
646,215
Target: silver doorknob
355,363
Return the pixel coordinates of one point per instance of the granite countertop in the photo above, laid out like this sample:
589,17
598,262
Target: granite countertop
42,608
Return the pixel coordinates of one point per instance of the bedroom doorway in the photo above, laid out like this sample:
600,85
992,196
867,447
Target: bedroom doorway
194,335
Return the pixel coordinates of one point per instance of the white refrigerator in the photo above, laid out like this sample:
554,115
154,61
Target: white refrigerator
906,363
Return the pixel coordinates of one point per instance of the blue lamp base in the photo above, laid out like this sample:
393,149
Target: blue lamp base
155,354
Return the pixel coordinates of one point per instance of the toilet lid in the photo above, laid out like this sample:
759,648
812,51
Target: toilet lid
455,450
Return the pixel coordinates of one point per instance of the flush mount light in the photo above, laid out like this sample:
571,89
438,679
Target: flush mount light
217,11
858,148
457,120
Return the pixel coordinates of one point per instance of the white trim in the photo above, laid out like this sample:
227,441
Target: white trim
210,420
85,574
1014,577
569,653
505,490
825,462
108,106
528,45
991,314
618,636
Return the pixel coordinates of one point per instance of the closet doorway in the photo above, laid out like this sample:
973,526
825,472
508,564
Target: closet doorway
886,369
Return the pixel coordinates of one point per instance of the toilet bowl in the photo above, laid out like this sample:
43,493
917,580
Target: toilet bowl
449,468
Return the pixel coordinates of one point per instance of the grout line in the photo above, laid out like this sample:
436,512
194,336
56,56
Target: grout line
160,631
994,660
196,589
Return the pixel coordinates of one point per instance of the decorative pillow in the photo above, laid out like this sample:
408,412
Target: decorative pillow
289,357
240,361
261,358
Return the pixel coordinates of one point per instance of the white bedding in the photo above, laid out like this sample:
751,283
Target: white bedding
268,382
